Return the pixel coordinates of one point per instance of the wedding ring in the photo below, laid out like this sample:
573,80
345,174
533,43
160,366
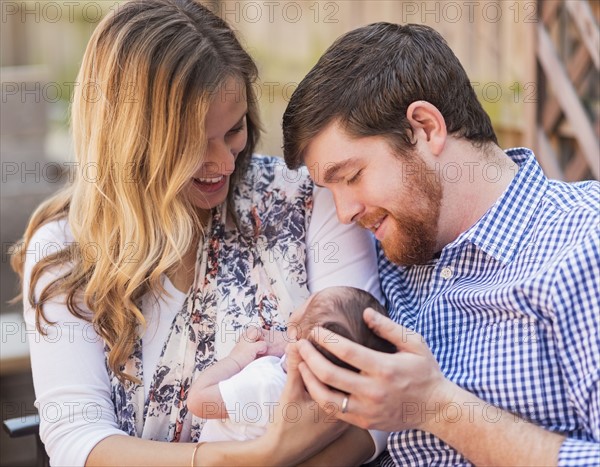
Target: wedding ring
345,404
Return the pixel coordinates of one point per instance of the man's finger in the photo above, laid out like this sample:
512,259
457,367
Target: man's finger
330,401
293,358
403,338
326,371
360,357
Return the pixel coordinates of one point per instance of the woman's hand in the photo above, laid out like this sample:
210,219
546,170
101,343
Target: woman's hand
299,423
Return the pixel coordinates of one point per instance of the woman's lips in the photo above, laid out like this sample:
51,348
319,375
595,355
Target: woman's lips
210,185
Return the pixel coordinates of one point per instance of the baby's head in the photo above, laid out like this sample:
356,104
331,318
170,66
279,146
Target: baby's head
340,310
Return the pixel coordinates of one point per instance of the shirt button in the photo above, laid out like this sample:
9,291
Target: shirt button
447,273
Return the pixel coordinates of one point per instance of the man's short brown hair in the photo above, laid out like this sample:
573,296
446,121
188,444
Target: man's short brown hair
367,79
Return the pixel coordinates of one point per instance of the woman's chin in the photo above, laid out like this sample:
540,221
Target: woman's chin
205,200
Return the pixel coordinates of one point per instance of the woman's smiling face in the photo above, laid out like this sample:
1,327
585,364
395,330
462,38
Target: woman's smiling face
227,134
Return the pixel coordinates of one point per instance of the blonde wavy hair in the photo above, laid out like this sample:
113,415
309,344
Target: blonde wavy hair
144,87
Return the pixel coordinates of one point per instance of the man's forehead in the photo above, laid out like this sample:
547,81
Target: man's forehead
329,152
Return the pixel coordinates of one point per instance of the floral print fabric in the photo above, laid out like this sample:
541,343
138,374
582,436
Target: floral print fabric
251,271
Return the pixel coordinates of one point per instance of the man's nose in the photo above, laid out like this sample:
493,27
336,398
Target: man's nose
348,208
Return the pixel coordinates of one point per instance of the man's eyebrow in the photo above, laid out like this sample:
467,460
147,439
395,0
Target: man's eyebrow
333,168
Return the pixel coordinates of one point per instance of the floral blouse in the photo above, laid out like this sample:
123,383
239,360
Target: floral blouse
248,271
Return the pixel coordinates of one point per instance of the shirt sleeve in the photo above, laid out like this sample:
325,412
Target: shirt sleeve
577,288
68,365
577,452
338,254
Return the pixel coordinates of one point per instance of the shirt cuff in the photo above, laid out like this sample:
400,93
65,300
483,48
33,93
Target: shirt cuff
578,452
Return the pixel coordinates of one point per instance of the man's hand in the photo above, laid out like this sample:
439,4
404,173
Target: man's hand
392,392
407,390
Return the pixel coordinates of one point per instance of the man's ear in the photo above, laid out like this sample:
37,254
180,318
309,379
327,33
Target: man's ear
428,123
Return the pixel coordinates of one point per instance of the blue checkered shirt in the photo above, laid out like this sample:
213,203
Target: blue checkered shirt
511,312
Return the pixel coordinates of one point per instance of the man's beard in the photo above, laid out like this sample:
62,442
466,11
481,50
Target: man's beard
412,236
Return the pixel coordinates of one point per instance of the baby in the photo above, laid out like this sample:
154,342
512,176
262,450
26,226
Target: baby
238,394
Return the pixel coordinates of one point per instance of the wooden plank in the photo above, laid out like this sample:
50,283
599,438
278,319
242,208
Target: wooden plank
549,10
547,157
530,111
577,68
565,130
576,169
568,99
588,29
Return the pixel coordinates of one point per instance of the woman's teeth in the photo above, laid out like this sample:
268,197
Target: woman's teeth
210,180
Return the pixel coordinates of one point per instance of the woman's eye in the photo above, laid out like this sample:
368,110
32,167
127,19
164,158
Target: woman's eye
354,178
239,127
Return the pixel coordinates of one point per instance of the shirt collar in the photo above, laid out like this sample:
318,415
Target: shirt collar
502,228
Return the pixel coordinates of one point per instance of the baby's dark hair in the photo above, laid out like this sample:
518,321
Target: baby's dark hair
340,310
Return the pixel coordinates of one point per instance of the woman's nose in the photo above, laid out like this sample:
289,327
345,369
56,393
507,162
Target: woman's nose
221,160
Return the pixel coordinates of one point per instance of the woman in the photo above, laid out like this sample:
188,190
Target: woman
171,239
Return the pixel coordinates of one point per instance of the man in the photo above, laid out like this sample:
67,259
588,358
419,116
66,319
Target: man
490,269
